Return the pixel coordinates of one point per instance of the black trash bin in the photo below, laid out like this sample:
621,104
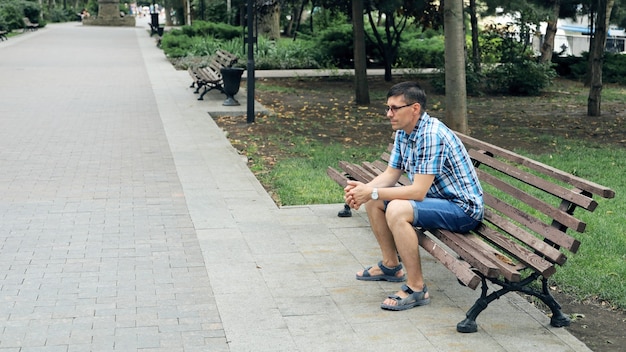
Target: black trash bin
232,82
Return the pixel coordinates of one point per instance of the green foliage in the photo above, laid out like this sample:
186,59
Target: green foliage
336,44
613,69
419,53
475,83
326,18
281,54
490,52
286,54
525,77
499,44
175,45
214,10
12,12
565,66
210,29
58,14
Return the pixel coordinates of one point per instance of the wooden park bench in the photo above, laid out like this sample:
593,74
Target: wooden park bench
210,77
529,206
29,26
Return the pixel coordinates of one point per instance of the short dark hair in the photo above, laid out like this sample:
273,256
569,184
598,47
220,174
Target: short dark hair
412,92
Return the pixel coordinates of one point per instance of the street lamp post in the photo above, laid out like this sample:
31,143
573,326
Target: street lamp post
250,66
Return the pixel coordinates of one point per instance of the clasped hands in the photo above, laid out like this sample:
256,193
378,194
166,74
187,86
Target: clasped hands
356,194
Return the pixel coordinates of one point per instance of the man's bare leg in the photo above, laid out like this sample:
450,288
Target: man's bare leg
399,218
384,237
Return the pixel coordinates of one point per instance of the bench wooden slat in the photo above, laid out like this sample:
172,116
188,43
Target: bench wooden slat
579,182
553,212
356,171
337,176
462,270
524,255
551,233
551,253
370,167
379,164
542,184
466,250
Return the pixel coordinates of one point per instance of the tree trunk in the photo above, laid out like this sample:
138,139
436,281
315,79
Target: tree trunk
596,57
269,20
361,89
299,18
547,47
476,60
456,98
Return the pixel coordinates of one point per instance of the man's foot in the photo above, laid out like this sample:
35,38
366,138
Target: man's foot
406,298
382,273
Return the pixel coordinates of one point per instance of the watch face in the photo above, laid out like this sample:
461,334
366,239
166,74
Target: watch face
375,194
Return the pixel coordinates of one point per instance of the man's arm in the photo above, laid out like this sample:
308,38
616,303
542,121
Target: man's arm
358,193
415,191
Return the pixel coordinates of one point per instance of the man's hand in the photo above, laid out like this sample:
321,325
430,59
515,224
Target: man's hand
356,194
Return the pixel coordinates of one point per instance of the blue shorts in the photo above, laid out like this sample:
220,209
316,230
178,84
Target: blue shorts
435,213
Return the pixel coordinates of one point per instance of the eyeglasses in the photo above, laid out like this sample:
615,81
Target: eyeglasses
395,109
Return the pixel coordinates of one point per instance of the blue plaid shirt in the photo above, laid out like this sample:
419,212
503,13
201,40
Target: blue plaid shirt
433,149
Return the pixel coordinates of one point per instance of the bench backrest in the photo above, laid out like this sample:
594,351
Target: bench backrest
224,58
537,196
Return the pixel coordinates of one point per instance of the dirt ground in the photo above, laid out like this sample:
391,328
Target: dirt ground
324,110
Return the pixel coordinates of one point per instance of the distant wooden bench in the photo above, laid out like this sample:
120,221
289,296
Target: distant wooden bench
529,206
3,35
29,26
210,77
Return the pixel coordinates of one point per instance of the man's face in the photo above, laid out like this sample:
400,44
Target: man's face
401,115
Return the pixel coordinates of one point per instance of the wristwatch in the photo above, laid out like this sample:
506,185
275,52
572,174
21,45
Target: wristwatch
375,194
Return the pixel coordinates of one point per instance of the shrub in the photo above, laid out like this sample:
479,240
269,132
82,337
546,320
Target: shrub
564,65
12,12
475,83
175,45
613,68
522,78
525,77
335,43
286,54
58,14
209,29
420,53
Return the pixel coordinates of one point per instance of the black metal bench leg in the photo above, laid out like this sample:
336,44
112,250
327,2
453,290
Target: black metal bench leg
201,97
346,212
558,319
468,324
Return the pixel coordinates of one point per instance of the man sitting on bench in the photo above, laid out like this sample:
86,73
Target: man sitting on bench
444,193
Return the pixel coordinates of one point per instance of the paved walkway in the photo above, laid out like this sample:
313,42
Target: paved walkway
129,223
